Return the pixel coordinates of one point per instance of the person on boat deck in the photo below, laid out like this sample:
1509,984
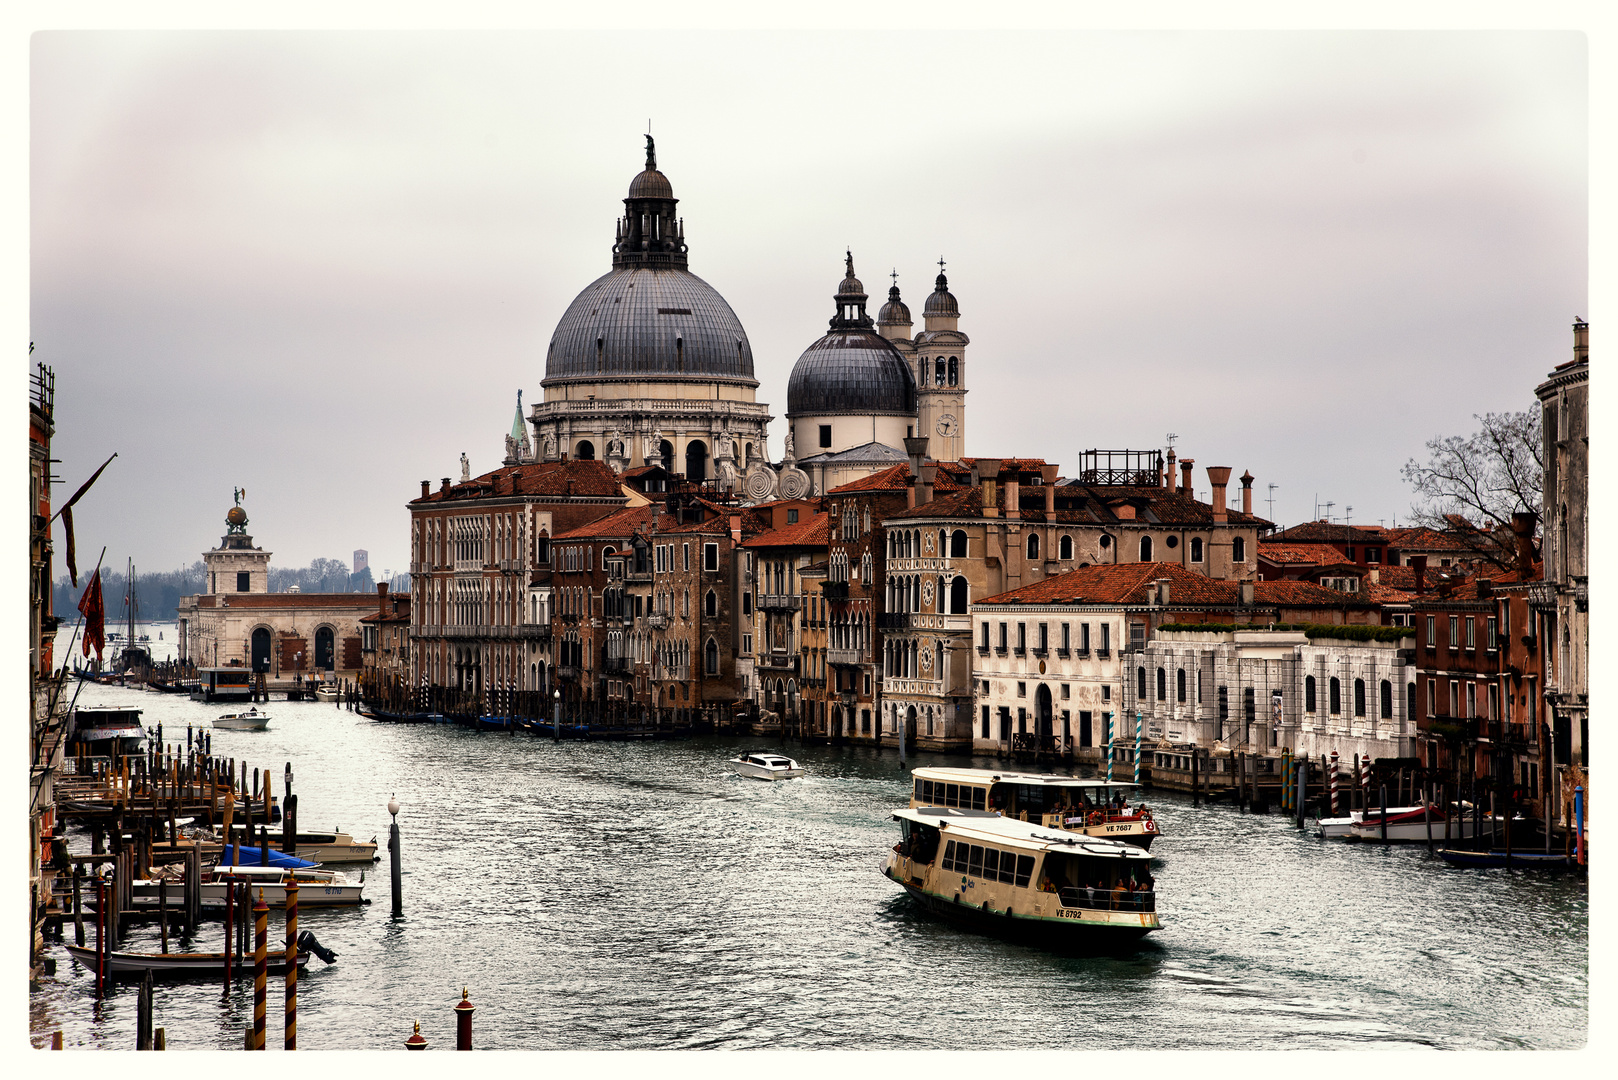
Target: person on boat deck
1045,882
1120,894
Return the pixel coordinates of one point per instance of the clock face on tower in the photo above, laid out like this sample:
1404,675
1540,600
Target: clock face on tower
947,425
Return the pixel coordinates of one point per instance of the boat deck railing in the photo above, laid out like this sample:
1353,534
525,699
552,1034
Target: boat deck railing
1107,900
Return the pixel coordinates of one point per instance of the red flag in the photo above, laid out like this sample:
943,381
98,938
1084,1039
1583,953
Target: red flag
95,614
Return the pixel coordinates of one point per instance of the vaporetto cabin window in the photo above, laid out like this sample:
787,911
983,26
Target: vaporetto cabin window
938,793
990,864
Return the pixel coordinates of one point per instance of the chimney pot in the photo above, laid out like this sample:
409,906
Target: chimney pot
985,471
1048,475
1581,342
1247,593
1185,473
426,488
1247,492
1173,480
1418,563
444,486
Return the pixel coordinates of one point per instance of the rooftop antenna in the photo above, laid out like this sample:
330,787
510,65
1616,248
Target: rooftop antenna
1271,500
1348,517
1329,505
1172,437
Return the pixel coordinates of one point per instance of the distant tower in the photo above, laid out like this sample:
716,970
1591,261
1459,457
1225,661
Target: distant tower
362,559
941,374
236,566
518,448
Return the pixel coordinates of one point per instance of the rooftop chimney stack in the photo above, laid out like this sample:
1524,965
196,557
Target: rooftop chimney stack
916,447
1418,563
985,471
1185,474
1219,477
1522,528
1247,593
382,599
1014,497
1047,475
444,486
1247,492
426,488
1172,477
928,473
1581,342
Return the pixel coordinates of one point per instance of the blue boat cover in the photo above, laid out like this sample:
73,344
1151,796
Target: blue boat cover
250,857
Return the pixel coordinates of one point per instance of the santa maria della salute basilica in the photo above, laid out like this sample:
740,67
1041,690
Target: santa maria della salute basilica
649,367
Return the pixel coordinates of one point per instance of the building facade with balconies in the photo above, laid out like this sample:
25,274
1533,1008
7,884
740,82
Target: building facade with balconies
782,606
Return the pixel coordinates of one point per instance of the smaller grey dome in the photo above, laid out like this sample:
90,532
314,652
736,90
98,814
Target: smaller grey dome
651,184
940,302
894,312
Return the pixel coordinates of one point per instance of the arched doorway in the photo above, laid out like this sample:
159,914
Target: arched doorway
910,724
325,652
957,596
696,460
665,452
1042,712
586,451
261,649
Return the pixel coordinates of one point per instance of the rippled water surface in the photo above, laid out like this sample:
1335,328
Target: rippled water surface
642,896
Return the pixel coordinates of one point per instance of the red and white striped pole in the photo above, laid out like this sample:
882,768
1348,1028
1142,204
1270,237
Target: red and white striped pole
1334,783
1365,782
261,915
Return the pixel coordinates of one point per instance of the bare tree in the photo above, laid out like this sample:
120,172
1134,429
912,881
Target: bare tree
1484,477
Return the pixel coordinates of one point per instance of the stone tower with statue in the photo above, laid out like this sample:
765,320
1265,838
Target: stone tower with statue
236,566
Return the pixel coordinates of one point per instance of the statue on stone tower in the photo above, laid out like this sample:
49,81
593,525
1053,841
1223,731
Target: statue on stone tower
466,469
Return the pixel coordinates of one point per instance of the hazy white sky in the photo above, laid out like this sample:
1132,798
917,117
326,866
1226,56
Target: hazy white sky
319,265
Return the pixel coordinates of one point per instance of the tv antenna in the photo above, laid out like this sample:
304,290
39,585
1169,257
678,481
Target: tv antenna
1329,505
1172,437
1271,500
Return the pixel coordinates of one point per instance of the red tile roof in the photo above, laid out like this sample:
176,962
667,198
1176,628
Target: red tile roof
618,524
1131,583
554,479
289,600
1324,532
895,478
816,532
1284,554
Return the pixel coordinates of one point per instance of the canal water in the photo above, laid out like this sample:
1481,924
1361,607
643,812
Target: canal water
643,896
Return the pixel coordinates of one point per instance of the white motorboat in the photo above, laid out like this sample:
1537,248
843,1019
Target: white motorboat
326,692
251,720
1334,828
316,887
767,766
1411,826
322,847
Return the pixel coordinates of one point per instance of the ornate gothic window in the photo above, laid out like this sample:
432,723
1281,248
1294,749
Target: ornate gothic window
954,372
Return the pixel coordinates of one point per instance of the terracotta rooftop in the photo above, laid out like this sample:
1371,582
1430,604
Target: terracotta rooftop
816,532
1132,583
289,600
896,478
1324,532
618,524
1283,553
549,479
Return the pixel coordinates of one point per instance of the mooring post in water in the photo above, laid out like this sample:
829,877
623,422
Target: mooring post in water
143,1014
230,931
1578,821
556,735
416,1040
163,910
1195,756
393,851
463,1022
261,919
1334,782
78,907
1427,815
900,719
1301,803
101,936
1383,795
292,964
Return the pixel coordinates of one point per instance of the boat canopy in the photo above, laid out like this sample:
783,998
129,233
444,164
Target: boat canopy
983,826
990,776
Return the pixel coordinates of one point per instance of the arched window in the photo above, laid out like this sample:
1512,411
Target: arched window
1064,547
1146,549
1140,683
1359,697
1309,693
1162,684
1334,692
1196,549
954,371
1033,546
710,657
1179,684
957,544
1224,703
710,604
1238,549
1249,705
586,450
696,460
325,653
938,372
665,453
1387,700
957,596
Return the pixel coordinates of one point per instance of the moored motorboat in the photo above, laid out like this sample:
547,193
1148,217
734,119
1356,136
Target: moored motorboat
316,887
200,965
1017,879
251,720
767,766
322,847
1500,859
1092,807
1333,828
1417,825
326,692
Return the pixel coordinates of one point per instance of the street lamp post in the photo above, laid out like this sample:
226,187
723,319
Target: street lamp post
556,728
393,849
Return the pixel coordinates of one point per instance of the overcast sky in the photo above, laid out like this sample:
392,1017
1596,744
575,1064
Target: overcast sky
320,265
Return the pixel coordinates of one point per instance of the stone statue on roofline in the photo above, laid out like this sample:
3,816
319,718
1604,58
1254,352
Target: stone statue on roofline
466,469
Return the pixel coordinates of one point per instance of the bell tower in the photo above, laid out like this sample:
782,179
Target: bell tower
941,374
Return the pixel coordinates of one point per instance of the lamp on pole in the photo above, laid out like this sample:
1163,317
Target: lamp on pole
393,849
556,725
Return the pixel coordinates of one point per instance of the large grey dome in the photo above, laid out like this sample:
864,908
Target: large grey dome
851,371
642,321
649,317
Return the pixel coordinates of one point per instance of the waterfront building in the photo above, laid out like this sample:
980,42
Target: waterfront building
47,703
481,564
649,364
385,649
1564,597
780,605
279,637
817,697
593,617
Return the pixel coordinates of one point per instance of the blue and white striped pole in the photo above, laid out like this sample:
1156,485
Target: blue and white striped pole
1137,746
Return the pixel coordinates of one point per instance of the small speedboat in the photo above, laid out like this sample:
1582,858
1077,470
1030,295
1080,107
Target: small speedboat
1497,858
767,766
326,693
1333,828
251,720
205,965
1411,826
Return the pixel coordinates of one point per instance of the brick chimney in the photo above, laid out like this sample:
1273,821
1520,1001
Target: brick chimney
1162,590
426,488
985,471
1247,593
1247,492
1418,563
1219,477
1522,529
1581,342
382,599
1185,473
444,487
1047,476
1172,477
916,447
1013,497
928,474
735,528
